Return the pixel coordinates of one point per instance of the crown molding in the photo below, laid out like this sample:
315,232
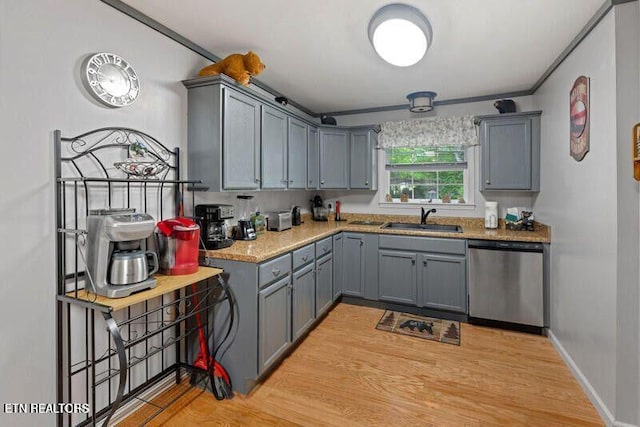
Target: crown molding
593,22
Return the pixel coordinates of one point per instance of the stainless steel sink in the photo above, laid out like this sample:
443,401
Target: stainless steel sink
442,228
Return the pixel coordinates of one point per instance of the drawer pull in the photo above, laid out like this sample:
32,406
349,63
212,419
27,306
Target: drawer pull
324,248
276,272
305,257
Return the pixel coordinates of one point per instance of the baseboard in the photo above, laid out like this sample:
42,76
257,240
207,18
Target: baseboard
591,393
129,408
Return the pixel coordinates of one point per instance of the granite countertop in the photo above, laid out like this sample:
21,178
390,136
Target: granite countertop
274,243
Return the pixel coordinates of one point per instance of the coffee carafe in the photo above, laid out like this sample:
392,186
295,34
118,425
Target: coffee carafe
117,260
212,223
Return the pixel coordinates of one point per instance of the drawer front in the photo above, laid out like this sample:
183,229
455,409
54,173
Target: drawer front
304,256
324,246
424,244
274,270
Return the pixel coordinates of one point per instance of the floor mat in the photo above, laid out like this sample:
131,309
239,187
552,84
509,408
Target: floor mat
429,328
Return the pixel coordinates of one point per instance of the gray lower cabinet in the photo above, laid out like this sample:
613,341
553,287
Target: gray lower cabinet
274,148
353,264
297,154
334,158
423,271
303,300
510,152
444,282
338,263
313,158
363,159
274,307
397,276
324,281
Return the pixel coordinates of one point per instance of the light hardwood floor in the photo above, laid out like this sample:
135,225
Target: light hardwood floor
347,373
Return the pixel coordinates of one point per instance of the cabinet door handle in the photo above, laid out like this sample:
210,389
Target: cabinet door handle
361,243
366,183
413,262
257,180
276,272
424,262
488,182
290,181
310,181
322,182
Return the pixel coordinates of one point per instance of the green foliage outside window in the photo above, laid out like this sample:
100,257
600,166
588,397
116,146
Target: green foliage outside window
430,184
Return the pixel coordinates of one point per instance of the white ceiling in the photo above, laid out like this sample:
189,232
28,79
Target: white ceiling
318,53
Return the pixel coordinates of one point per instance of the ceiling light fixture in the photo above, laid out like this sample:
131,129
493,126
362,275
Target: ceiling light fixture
421,102
400,34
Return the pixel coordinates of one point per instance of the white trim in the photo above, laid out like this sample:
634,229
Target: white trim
414,205
591,393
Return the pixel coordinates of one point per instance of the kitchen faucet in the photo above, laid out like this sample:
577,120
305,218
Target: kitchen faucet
424,214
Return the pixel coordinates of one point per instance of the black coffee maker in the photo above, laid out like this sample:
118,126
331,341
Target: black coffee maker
213,226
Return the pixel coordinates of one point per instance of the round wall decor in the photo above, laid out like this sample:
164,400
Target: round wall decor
110,79
579,118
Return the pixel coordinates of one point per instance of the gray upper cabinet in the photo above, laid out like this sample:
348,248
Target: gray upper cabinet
353,265
297,154
397,276
224,138
313,158
363,159
303,300
275,321
510,152
274,148
444,282
334,158
241,142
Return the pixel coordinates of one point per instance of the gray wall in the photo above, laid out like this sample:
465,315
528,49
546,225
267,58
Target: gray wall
368,201
42,44
628,218
592,207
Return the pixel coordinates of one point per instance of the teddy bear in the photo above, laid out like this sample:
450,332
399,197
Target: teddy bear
237,66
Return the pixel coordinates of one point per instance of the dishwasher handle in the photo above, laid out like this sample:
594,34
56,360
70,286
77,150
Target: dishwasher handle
498,245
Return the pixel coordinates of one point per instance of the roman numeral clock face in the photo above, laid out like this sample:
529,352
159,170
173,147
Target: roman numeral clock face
110,79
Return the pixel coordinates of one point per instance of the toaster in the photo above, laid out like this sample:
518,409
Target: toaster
279,221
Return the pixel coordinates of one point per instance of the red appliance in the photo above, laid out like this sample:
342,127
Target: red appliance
178,241
338,211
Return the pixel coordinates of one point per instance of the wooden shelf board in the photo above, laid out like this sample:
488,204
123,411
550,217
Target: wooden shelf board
165,285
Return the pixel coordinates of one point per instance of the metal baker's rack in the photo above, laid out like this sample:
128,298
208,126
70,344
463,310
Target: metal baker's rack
114,354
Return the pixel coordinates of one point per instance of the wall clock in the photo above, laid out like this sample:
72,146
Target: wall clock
579,118
110,79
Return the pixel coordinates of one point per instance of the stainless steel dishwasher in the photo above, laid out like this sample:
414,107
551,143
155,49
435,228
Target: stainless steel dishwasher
506,284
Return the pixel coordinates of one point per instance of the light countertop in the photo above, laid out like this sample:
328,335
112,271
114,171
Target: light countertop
274,243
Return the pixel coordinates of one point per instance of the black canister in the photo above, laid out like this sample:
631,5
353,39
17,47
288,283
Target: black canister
295,216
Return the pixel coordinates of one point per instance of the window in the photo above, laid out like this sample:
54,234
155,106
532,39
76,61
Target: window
433,174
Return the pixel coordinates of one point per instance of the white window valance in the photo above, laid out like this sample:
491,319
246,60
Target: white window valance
436,131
